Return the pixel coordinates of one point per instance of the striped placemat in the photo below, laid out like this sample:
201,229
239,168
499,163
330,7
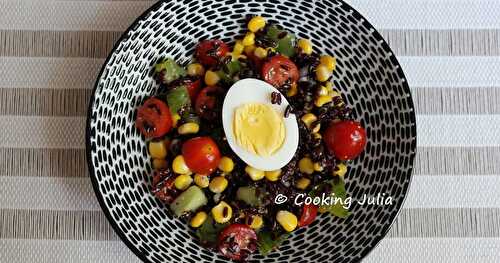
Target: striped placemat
51,52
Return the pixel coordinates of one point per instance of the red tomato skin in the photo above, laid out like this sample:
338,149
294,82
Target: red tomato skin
278,70
345,139
204,47
241,233
156,114
201,154
207,100
309,213
193,87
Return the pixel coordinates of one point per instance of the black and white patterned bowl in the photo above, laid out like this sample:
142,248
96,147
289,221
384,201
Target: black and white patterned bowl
368,75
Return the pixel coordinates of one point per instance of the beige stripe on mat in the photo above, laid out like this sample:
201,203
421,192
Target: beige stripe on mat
98,44
473,100
43,162
93,225
44,102
29,43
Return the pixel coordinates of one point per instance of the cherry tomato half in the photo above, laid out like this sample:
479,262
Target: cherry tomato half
237,241
153,118
345,139
209,52
163,186
208,100
309,213
201,154
278,70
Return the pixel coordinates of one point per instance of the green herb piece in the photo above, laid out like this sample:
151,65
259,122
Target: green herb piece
339,192
170,70
228,71
286,44
266,242
209,231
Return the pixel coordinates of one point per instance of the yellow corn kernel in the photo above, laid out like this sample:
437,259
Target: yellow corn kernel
222,212
333,93
293,90
254,173
329,85
249,39
195,69
179,165
158,149
249,50
287,220
198,219
201,180
183,181
317,136
211,78
256,222
318,167
315,127
260,52
226,164
329,61
323,91
238,48
322,73
175,119
272,176
188,128
305,46
218,184
308,119
322,100
256,23
306,165
159,164
303,183
340,170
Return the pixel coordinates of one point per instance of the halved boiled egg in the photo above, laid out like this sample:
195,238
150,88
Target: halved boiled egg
256,129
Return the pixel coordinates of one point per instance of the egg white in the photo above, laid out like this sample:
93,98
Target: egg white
258,91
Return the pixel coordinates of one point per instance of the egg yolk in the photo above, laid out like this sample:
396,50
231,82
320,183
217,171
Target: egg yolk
258,128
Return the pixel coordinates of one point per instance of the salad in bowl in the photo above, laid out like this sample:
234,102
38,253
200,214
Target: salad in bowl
246,136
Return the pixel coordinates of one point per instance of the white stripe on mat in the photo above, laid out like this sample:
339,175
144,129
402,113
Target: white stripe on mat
118,15
442,250
454,192
42,132
54,73
430,14
451,71
67,73
50,251
412,250
458,130
77,194
69,132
